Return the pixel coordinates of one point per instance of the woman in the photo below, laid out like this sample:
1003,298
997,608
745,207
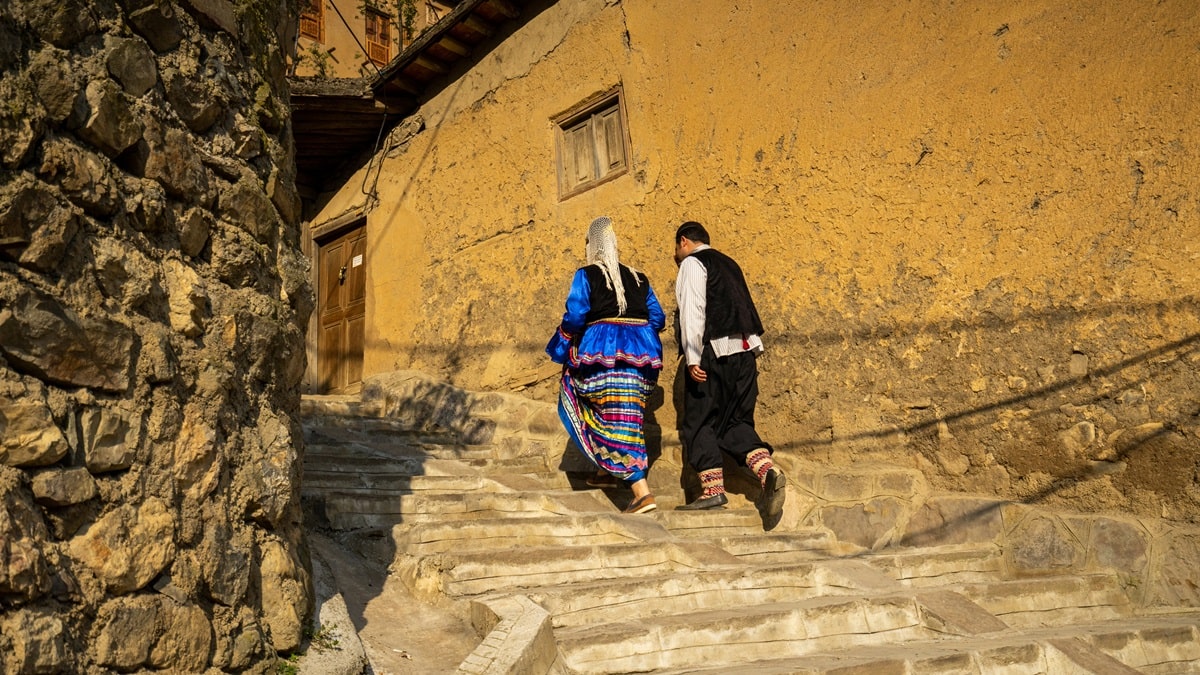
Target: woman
611,354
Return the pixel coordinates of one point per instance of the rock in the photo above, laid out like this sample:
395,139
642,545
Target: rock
49,244
173,162
62,23
109,123
955,520
37,641
1079,365
278,477
56,87
246,205
63,487
41,337
196,464
124,273
225,562
248,140
82,175
219,14
125,631
1041,544
159,24
1122,546
186,640
108,439
35,228
285,595
194,228
10,43
147,207
28,434
196,102
189,303
242,645
284,196
22,125
238,260
157,361
128,546
870,525
24,570
1078,438
132,63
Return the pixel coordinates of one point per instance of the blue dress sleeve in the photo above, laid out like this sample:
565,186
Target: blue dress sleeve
658,319
574,319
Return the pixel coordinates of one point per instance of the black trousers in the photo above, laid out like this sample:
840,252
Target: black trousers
718,414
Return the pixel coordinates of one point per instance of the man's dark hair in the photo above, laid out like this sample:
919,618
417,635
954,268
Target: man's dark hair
693,231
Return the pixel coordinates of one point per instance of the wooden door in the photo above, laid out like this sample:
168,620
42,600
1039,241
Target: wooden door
342,308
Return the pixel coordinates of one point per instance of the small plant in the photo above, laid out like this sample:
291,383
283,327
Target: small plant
323,637
407,11
318,58
289,666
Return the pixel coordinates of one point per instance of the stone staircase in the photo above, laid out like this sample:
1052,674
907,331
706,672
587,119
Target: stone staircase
480,509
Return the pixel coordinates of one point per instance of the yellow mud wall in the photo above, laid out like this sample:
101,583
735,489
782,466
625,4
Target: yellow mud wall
970,228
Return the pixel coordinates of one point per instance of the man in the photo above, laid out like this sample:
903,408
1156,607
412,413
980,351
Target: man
720,336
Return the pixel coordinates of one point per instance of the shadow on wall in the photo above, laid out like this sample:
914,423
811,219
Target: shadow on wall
1079,390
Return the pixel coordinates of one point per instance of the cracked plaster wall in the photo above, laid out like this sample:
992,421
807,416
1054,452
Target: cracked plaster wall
970,230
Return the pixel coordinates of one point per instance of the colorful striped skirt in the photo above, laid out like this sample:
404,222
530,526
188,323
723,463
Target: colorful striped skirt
602,409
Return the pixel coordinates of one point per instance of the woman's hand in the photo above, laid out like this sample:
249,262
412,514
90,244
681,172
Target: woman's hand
697,373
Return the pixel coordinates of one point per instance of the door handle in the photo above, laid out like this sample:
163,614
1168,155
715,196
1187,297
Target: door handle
342,275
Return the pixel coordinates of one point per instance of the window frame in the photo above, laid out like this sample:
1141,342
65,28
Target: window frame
586,122
318,18
384,41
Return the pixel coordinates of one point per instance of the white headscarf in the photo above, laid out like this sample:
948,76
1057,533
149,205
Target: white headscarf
602,251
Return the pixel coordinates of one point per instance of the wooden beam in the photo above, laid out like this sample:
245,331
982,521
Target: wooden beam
453,46
504,7
432,65
478,25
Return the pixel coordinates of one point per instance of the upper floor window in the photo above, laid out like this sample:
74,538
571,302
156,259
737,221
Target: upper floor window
312,19
434,11
592,144
379,37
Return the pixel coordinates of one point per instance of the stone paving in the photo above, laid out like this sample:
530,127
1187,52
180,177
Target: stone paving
481,507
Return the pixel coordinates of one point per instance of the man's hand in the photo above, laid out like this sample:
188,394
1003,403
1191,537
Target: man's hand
697,373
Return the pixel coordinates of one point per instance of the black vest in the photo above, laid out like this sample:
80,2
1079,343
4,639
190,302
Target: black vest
604,299
729,310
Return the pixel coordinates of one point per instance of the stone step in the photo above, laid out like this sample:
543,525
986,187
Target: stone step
610,600
315,406
484,534
473,458
1156,646
348,510
349,449
337,428
732,633
391,483
712,523
466,574
952,564
1031,603
764,548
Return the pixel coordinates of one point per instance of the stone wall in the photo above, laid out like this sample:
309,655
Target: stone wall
970,228
151,299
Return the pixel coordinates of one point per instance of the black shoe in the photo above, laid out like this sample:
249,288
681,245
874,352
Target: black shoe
770,502
702,503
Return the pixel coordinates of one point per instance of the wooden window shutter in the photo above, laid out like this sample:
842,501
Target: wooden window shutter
579,156
592,144
612,141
